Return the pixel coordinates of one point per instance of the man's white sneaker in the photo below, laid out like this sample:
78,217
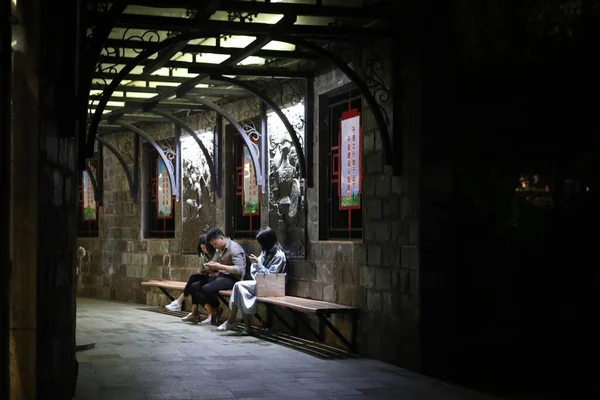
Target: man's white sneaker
191,317
207,321
226,326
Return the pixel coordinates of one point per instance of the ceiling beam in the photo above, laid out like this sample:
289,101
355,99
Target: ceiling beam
149,78
220,91
257,44
165,55
214,28
377,11
229,69
202,49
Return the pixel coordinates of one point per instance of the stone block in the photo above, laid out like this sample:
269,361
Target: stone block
383,279
302,289
316,290
397,184
174,246
396,274
335,251
157,260
178,260
383,231
158,246
315,250
350,275
374,254
410,256
329,293
359,254
391,256
387,305
134,271
392,206
368,187
140,246
154,273
367,277
383,185
373,208
373,300
302,269
373,164
324,271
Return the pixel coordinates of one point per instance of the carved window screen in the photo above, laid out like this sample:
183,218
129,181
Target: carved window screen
161,212
335,224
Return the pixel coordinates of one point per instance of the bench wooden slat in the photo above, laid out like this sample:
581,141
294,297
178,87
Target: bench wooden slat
295,303
174,285
306,305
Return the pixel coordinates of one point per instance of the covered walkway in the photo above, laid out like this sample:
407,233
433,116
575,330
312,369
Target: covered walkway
146,355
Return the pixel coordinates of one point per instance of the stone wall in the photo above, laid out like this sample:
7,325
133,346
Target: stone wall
379,274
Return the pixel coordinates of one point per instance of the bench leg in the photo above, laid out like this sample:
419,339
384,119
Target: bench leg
300,317
283,321
167,294
337,333
220,297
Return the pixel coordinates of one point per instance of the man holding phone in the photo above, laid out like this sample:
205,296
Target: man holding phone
230,267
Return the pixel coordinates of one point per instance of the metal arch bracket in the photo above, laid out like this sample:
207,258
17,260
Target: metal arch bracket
277,110
94,185
161,153
190,131
360,84
242,133
132,185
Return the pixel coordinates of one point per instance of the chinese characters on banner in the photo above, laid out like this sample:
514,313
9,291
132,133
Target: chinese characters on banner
350,160
164,198
250,192
89,202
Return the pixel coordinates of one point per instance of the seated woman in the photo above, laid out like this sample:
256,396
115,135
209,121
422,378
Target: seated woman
206,253
243,296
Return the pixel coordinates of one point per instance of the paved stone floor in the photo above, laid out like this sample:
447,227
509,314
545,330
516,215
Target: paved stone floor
146,355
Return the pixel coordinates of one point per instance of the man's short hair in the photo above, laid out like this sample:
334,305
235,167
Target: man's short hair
213,234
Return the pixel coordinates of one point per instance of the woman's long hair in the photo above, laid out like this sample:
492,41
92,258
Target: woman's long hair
268,240
203,241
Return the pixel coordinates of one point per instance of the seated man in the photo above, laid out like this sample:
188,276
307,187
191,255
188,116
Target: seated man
230,265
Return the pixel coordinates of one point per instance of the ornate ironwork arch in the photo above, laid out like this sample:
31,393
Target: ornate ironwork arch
154,48
277,110
161,153
190,131
242,132
357,80
132,185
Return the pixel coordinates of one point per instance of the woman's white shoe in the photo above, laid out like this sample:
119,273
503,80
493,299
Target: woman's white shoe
226,326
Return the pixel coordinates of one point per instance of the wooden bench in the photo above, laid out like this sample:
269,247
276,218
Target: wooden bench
298,305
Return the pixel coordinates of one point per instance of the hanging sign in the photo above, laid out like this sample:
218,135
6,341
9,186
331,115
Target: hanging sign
164,201
89,202
350,145
250,193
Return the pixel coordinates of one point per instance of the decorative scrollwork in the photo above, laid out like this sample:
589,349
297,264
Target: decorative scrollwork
242,17
206,122
98,6
148,36
167,147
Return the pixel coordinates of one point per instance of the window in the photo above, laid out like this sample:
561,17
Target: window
337,223
245,205
161,210
88,206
